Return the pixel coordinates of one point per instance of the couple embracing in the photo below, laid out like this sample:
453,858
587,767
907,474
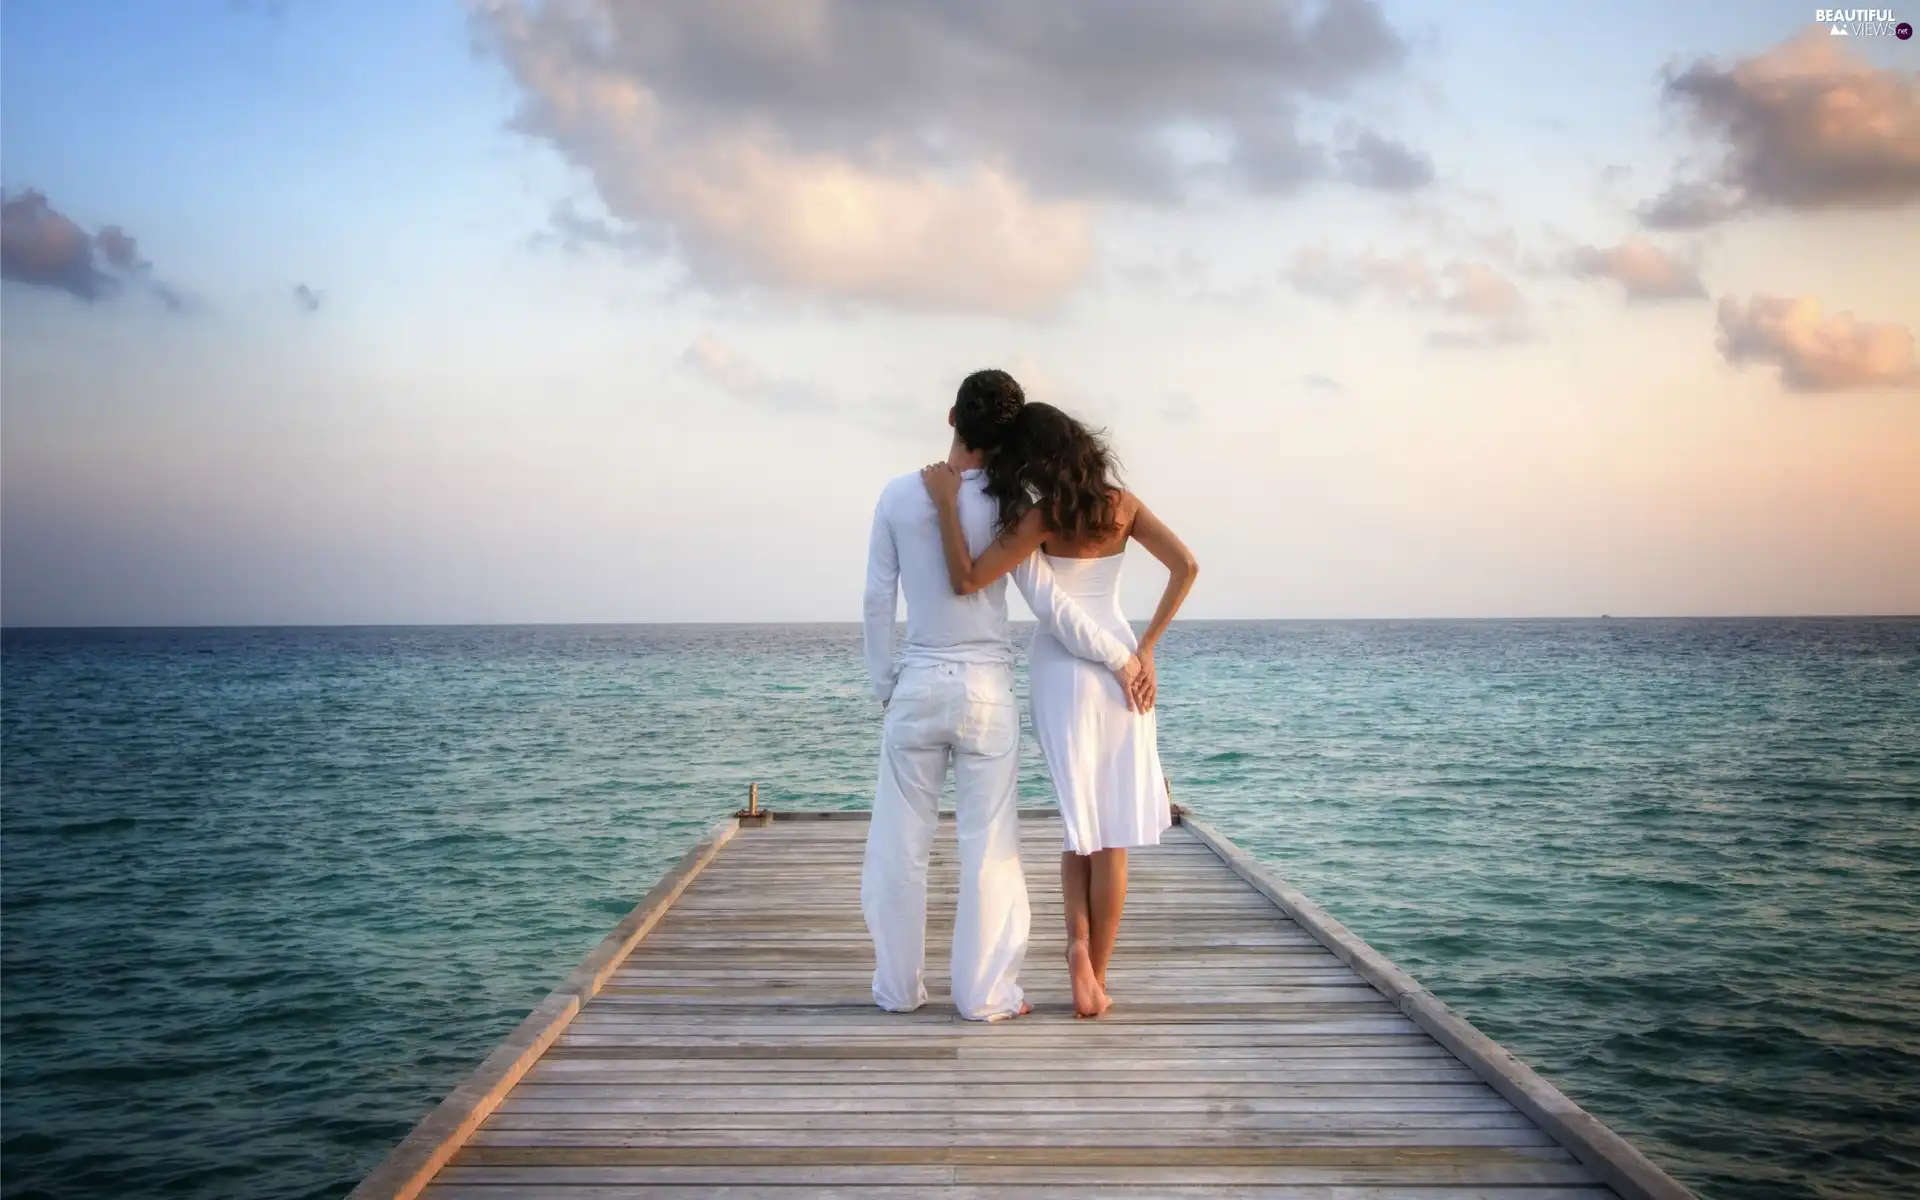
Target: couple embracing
1026,491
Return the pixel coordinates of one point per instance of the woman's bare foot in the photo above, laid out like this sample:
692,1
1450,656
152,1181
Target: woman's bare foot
1088,999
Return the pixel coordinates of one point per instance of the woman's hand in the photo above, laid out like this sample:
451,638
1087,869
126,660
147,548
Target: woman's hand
943,484
1146,689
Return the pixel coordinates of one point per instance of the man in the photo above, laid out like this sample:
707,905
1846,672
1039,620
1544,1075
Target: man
948,698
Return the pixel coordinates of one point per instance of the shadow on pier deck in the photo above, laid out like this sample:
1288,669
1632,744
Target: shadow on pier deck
721,1042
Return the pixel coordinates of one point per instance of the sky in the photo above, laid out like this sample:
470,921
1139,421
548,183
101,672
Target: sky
576,311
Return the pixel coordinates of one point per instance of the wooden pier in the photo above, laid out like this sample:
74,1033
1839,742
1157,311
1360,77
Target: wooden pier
722,1042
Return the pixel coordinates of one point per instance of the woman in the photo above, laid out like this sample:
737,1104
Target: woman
1053,479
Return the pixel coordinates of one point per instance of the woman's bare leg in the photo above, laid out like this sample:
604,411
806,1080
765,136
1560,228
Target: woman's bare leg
1076,892
1106,896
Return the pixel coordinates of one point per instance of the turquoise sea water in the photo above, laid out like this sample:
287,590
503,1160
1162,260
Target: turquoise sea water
267,894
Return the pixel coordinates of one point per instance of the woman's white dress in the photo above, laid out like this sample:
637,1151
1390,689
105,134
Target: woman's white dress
1104,758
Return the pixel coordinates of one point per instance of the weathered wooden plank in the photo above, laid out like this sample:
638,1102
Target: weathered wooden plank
1140,969
1147,1055
856,1117
1146,1155
790,1176
1270,1033
1037,1191
1529,1173
879,1083
1143,1053
1177,1036
923,1070
695,941
953,1095
1107,1055
777,1191
1162,1037
962,1071
1273,995
817,1099
1491,1173
1079,1139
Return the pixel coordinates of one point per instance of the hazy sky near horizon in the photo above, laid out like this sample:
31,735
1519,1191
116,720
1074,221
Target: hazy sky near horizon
578,311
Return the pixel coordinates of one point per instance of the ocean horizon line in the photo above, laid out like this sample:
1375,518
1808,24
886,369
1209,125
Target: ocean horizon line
1590,618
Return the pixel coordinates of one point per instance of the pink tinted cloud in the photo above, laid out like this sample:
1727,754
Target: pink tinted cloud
1816,352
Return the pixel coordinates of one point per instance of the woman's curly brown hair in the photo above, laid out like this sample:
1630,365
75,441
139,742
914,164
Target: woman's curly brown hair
1049,461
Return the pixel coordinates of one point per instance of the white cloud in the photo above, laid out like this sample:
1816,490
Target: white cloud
1643,269
1475,289
1815,352
1489,303
42,246
929,154
1805,125
721,366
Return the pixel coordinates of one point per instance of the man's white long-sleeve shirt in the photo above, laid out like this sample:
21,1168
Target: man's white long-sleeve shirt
904,554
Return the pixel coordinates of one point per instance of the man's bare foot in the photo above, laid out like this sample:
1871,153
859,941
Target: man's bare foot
1088,999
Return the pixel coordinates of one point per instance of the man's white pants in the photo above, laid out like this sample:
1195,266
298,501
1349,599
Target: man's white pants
963,714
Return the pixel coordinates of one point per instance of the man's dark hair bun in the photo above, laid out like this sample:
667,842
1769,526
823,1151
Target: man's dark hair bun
985,407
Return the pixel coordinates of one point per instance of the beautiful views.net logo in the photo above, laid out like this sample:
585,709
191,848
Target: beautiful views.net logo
1862,22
